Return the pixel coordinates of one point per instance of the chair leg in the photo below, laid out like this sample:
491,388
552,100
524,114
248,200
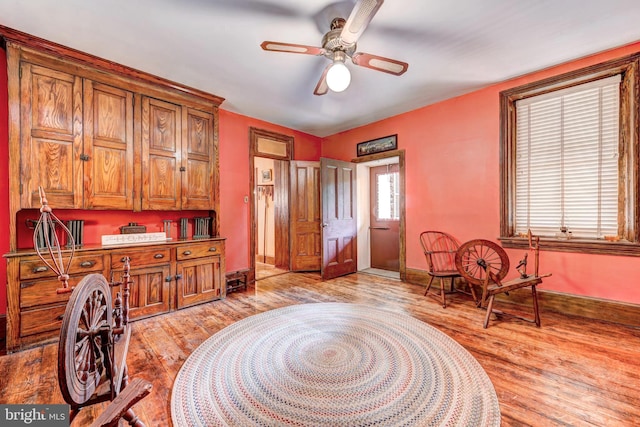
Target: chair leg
442,293
428,285
489,311
536,311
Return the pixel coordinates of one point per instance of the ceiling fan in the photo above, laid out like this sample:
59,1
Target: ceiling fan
339,44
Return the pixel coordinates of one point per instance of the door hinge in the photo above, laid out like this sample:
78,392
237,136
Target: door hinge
20,72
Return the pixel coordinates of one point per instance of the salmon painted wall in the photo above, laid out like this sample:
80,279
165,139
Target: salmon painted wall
452,183
234,179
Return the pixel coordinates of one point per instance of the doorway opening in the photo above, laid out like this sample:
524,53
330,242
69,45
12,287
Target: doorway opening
264,194
269,155
381,217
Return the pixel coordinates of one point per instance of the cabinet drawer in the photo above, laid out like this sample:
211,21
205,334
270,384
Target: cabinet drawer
141,257
36,269
42,320
198,250
42,292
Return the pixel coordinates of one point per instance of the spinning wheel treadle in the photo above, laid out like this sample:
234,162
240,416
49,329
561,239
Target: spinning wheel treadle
474,256
81,358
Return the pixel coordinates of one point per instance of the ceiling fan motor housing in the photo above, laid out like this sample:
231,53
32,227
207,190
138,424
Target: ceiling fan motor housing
332,42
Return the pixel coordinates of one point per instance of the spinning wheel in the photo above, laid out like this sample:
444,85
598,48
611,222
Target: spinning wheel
82,347
474,256
485,263
95,334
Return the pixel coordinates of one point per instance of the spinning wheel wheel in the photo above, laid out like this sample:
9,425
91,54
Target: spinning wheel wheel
473,258
84,340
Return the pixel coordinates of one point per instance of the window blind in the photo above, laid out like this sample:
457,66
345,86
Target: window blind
567,161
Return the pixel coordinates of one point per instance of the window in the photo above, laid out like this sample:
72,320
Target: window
388,188
569,160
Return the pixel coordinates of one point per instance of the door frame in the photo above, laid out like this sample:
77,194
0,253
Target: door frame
400,154
272,145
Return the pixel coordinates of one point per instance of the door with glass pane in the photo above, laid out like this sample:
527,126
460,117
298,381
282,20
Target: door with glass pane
385,217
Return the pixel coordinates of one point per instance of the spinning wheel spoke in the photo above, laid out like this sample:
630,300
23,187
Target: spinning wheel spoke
475,257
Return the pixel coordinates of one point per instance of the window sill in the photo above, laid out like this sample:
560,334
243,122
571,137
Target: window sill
602,247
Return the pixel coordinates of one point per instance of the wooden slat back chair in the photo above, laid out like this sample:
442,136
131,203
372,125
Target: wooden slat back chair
95,333
440,251
485,263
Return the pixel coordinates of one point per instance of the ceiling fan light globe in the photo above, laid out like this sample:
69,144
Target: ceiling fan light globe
338,77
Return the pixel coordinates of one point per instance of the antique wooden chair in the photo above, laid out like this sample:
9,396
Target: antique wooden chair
95,333
440,251
484,263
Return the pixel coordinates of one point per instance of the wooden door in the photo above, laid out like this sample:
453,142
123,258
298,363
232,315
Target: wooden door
108,147
51,141
199,161
306,243
339,221
161,154
384,236
281,220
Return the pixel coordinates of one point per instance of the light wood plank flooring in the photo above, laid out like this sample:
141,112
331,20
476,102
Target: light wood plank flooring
570,372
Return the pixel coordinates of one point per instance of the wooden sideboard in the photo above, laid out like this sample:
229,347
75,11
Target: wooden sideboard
166,276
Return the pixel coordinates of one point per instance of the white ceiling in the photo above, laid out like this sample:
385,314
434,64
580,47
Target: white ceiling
452,47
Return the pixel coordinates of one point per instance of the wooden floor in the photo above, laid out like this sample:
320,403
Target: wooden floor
267,270
570,372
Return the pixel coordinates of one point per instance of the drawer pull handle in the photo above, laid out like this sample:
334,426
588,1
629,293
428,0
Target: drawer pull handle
40,269
123,259
178,276
213,249
158,256
186,253
168,279
87,264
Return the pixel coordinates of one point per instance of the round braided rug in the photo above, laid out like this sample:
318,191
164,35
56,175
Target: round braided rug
332,364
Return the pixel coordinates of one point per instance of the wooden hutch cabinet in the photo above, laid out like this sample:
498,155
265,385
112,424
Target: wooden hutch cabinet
99,135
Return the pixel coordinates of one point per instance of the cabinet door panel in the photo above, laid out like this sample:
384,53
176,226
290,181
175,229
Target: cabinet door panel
149,292
161,154
51,128
197,183
198,281
108,142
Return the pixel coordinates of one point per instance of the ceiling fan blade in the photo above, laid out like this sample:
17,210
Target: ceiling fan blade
380,63
360,16
292,48
322,88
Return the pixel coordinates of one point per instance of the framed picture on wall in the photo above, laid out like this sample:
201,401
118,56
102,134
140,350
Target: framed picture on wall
267,175
379,145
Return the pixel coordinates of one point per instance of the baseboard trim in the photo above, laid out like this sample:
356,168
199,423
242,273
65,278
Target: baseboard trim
575,305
